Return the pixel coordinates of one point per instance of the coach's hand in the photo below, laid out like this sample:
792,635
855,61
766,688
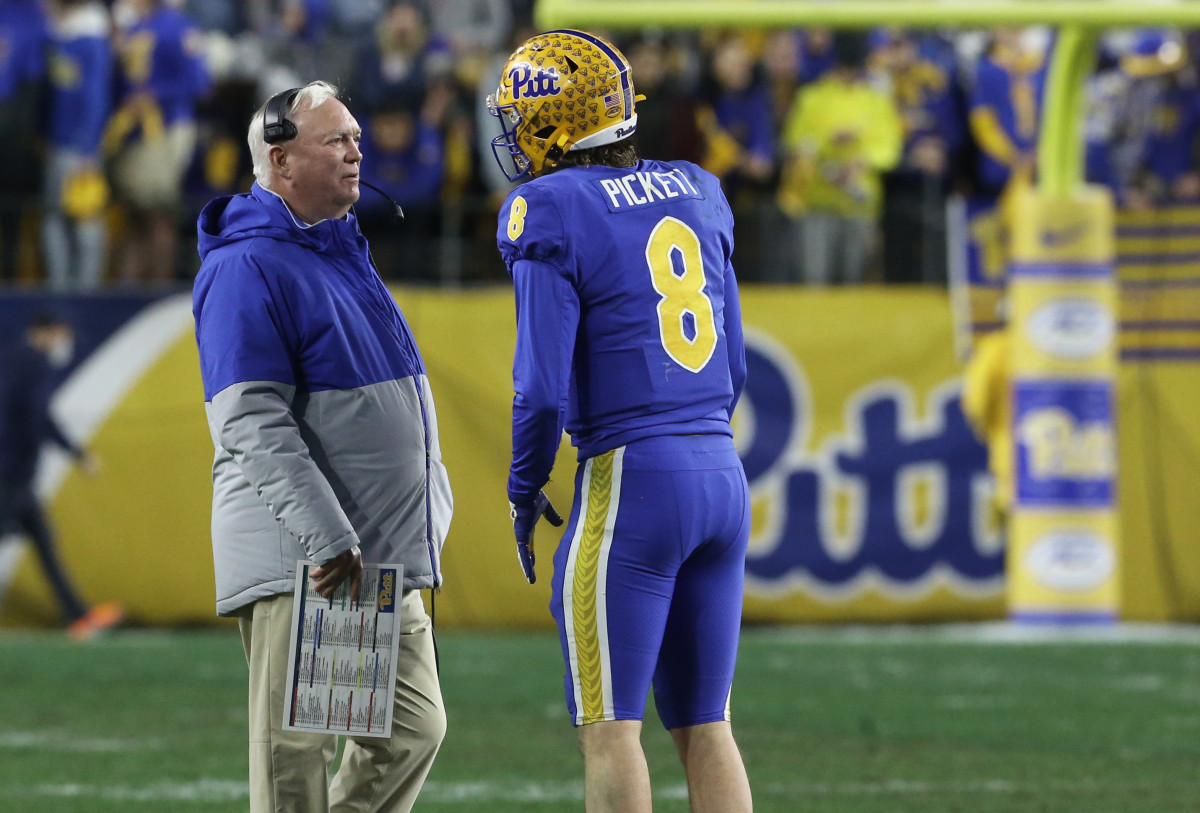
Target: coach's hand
346,565
525,517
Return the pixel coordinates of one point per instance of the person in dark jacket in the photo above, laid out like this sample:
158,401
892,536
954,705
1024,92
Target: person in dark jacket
326,443
26,384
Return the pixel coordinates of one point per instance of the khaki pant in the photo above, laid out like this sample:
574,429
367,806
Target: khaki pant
289,770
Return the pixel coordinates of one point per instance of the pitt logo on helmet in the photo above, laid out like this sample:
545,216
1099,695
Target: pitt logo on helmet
530,83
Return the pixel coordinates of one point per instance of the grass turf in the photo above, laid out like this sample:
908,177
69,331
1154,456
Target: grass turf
828,720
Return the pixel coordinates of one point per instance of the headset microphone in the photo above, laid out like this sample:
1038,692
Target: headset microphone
396,210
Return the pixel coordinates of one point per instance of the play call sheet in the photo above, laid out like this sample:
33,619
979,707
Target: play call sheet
342,663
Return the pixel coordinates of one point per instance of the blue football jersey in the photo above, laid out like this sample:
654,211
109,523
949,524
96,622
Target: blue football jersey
628,321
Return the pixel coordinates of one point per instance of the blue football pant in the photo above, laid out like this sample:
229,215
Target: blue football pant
648,581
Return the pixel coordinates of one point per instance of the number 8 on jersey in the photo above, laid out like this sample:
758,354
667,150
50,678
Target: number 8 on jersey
681,293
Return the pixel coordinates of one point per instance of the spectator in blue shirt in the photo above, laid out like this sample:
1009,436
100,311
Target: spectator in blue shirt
667,129
934,120
1170,173
737,126
924,88
153,132
1005,105
23,33
74,233
404,153
1144,122
818,56
402,60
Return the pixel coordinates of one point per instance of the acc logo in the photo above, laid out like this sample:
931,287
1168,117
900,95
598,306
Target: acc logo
387,591
1073,328
612,105
1073,561
533,83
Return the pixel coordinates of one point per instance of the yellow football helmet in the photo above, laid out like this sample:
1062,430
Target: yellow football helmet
561,90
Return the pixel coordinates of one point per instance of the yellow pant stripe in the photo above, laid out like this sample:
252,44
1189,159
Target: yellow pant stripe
587,561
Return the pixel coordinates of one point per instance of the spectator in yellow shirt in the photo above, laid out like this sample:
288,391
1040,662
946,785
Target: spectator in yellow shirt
841,135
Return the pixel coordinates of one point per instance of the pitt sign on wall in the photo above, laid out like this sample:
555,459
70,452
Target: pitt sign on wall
871,498
870,494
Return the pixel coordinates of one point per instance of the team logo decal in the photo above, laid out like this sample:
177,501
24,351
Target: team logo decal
529,82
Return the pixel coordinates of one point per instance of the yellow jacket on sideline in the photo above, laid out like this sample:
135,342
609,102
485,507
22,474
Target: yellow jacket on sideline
842,136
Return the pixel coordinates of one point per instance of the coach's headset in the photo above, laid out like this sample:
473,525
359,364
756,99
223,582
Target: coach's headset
278,127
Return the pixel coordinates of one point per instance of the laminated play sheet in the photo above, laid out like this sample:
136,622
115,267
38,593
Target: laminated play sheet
342,661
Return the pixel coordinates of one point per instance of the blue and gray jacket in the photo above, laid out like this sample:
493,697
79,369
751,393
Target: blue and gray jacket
317,401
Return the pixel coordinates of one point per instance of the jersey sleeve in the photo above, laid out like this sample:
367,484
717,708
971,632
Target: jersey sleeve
531,228
734,341
547,323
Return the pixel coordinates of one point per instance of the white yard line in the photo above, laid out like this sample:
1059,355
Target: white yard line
68,742
558,793
985,632
201,790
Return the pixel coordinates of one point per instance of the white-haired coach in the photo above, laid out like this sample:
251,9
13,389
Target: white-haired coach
326,445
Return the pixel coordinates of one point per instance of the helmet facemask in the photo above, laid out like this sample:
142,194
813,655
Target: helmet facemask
505,145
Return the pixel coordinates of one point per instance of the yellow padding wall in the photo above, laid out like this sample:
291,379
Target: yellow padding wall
870,496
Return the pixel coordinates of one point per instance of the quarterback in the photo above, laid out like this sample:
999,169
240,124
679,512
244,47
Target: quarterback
628,336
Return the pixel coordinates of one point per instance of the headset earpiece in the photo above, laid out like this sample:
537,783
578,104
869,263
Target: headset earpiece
276,125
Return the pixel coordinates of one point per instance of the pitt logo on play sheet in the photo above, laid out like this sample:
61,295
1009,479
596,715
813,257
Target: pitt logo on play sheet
529,82
387,591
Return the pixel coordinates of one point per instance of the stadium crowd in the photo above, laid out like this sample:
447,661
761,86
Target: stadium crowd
838,151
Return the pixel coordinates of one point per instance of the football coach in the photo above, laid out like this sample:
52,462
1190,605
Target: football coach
326,442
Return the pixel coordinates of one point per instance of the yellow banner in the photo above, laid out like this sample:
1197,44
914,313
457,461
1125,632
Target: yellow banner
870,494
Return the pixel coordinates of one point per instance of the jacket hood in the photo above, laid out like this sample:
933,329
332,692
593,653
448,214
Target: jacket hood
262,213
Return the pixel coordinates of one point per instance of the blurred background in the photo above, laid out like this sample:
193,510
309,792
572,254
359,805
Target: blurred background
872,176
96,86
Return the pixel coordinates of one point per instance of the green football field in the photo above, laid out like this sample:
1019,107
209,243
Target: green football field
862,719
